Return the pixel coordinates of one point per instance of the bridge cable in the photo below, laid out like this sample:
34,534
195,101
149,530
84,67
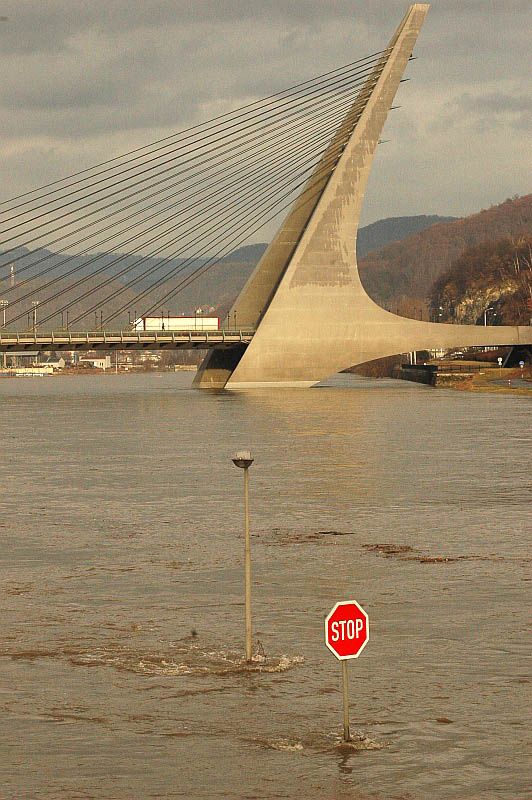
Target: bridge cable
153,173
150,289
243,211
332,161
115,276
260,137
256,173
265,147
227,115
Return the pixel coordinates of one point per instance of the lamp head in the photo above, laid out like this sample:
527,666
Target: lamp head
242,459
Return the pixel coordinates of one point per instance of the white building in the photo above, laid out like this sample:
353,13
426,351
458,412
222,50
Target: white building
98,362
56,362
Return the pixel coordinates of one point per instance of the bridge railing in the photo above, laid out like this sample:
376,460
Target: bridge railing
63,335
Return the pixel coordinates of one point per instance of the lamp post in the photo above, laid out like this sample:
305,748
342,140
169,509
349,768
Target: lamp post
35,303
244,460
489,308
4,304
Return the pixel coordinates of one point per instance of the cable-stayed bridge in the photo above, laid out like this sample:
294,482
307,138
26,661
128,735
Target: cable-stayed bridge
171,211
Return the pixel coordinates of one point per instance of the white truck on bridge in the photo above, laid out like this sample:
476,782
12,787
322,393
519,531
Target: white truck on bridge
167,323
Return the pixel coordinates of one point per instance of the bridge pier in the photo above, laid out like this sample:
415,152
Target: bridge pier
218,366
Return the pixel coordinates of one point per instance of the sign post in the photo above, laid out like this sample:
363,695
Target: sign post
346,635
345,686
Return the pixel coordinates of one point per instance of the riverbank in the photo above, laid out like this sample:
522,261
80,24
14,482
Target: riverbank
500,381
49,372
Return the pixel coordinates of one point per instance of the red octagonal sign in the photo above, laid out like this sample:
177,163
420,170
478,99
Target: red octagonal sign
346,629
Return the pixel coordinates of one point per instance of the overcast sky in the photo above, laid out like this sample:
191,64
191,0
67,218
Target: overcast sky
83,80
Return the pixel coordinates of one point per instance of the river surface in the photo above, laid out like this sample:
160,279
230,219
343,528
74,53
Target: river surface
121,590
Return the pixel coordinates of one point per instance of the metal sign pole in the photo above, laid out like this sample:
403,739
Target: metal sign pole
345,686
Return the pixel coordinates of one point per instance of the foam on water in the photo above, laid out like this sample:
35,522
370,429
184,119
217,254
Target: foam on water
359,741
195,662
285,745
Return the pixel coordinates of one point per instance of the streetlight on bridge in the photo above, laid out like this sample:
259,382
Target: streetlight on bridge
3,305
486,310
35,304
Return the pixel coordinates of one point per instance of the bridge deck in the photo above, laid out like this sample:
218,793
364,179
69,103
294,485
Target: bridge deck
11,341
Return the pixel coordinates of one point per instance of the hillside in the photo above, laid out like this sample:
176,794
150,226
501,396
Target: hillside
409,268
494,278
393,229
400,273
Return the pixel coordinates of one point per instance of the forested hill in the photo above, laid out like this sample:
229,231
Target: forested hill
493,279
410,267
393,229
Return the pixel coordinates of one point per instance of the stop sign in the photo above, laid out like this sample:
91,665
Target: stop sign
346,629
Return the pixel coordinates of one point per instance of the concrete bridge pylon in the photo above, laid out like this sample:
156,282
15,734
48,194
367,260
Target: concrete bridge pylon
312,316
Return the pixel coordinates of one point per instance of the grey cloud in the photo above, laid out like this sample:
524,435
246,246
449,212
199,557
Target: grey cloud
496,103
486,111
103,74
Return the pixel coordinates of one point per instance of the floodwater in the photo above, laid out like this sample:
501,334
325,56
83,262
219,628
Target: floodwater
122,600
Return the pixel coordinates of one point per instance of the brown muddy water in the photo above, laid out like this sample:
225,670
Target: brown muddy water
121,535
